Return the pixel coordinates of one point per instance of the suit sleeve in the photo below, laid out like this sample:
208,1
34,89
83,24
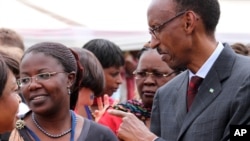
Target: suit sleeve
240,108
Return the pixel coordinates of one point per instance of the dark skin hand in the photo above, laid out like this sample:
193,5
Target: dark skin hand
132,129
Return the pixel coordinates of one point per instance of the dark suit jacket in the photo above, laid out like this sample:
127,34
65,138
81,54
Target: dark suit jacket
223,99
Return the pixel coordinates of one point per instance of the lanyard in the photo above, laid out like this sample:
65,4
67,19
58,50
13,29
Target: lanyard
89,115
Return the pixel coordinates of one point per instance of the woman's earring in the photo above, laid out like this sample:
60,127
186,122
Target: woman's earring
69,91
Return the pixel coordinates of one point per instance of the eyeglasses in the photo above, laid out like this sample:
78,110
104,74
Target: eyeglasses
156,30
156,75
25,81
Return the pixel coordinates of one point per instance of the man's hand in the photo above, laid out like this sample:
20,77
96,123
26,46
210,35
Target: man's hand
132,129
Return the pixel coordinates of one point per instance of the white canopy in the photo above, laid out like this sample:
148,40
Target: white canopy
73,23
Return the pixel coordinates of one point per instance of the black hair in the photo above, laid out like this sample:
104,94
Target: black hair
7,64
12,63
144,49
107,52
3,75
208,10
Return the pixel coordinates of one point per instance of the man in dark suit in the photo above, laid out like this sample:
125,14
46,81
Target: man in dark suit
183,31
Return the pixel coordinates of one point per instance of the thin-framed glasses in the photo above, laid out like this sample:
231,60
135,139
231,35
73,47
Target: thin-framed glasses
25,81
155,75
156,30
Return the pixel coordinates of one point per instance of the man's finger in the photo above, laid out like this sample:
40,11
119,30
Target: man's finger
117,113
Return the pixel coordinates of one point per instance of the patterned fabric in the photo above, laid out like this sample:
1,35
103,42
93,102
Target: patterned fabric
192,89
135,107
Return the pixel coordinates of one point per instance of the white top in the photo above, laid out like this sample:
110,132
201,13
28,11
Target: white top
23,109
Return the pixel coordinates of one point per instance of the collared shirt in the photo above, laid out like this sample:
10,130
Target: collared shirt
203,71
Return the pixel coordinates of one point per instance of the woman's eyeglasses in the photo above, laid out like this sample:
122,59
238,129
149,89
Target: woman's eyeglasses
25,81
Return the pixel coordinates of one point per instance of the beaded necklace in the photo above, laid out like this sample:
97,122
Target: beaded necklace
72,129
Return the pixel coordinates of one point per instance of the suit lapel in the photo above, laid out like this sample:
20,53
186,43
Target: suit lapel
210,87
181,100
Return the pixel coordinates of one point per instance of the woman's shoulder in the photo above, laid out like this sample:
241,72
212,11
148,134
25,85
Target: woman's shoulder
95,126
94,131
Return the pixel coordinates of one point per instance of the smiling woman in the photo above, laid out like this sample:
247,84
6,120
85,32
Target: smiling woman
8,94
49,74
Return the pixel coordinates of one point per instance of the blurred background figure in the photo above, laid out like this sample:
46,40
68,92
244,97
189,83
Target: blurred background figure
129,67
248,47
12,44
9,99
111,58
92,84
240,49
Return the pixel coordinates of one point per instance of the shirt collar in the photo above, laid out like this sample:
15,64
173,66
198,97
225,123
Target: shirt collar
203,71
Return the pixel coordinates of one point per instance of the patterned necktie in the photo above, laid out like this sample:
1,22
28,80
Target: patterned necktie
192,89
